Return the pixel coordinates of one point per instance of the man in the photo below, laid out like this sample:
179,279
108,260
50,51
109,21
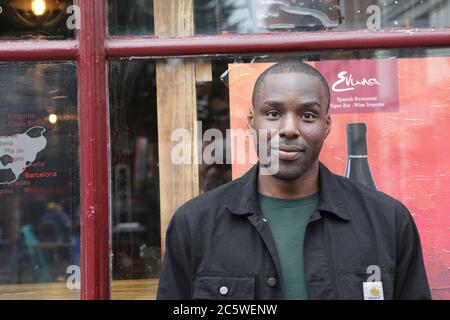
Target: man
299,232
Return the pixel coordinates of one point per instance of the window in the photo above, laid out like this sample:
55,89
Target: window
36,19
39,179
212,17
111,89
222,88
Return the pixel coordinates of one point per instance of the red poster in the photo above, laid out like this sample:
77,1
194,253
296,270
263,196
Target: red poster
407,138
362,85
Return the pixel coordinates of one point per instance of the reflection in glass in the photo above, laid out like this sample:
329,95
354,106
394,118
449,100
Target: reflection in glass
135,17
134,164
213,112
133,110
253,16
41,19
130,17
39,176
135,175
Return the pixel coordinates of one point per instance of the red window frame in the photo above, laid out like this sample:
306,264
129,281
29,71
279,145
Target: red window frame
92,49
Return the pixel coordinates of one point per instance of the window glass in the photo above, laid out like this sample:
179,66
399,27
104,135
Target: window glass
39,181
400,121
37,19
135,177
206,17
130,17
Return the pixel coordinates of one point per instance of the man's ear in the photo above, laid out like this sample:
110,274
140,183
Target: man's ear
250,118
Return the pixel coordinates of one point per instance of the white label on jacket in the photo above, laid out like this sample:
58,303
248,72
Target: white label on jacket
373,290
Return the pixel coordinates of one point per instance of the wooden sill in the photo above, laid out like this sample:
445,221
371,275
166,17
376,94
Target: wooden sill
121,290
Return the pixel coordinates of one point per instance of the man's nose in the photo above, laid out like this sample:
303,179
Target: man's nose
289,127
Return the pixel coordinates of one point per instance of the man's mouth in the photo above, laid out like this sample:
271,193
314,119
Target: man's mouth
290,153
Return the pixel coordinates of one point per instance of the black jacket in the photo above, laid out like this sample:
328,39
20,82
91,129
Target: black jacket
218,245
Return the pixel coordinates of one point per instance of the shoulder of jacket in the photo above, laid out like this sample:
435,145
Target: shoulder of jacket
207,202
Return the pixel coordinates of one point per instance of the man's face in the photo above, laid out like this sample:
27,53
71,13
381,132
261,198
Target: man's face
293,109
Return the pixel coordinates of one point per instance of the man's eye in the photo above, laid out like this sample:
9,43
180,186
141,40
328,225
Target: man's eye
273,114
308,116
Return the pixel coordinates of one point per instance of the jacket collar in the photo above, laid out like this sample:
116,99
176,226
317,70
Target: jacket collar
244,198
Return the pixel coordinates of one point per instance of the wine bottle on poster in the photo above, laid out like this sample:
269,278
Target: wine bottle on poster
358,168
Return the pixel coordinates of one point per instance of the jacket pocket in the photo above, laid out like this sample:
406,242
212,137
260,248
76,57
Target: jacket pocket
351,283
224,287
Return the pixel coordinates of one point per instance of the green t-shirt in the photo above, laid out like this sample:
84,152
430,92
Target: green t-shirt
287,220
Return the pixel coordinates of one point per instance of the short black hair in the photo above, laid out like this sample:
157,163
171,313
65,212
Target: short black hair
291,66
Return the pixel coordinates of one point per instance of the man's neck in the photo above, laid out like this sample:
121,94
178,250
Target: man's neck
301,187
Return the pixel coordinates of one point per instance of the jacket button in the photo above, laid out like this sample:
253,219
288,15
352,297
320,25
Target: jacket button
271,282
223,290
